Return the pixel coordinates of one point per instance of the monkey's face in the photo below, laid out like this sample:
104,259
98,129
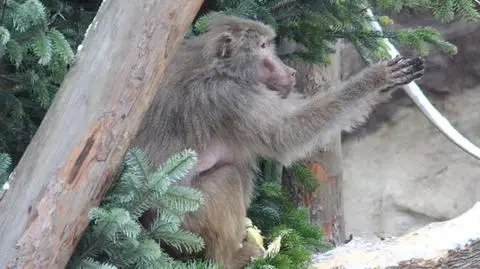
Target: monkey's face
273,72
250,55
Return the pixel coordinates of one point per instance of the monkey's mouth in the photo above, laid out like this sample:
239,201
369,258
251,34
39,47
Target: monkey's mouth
283,89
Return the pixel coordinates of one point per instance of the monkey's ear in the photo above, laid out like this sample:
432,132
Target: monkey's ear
224,46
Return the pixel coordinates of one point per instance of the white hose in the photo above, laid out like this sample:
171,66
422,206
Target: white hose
416,94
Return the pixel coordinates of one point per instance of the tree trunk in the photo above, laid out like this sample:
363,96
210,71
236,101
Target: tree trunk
80,144
326,207
326,202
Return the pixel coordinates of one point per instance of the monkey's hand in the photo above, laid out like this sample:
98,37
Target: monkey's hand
376,82
397,71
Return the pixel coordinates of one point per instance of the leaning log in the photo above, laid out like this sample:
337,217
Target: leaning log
453,244
80,143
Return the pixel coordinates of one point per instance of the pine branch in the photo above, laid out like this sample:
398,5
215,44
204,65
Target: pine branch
306,178
15,53
28,14
40,56
42,48
420,38
4,35
182,199
177,166
115,236
5,163
60,44
186,242
89,263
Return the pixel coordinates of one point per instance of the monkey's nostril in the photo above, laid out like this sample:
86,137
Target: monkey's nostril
293,73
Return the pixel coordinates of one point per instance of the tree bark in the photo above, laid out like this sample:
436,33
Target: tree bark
79,146
326,208
326,202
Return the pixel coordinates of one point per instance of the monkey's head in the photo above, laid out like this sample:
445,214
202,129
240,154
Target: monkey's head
245,49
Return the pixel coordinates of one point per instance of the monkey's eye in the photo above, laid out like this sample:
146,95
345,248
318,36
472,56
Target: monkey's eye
263,45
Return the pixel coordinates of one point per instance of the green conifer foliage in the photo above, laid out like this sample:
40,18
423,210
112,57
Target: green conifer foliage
276,215
116,239
5,163
316,24
444,10
34,57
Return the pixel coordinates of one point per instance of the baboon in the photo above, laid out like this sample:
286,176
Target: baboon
227,96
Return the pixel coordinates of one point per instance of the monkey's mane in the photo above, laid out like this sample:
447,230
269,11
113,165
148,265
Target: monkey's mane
235,25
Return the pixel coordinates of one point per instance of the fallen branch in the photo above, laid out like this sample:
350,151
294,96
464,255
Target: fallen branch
450,244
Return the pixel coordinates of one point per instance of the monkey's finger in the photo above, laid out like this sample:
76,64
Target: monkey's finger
415,67
405,79
395,60
417,60
414,76
419,65
418,75
409,62
403,72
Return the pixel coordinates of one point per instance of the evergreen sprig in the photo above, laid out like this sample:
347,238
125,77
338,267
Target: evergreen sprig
419,38
29,14
34,58
444,10
305,176
89,263
276,215
116,239
5,163
318,24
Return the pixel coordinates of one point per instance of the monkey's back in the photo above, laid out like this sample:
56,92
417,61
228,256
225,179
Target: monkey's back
185,110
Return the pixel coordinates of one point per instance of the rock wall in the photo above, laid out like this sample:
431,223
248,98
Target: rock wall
400,173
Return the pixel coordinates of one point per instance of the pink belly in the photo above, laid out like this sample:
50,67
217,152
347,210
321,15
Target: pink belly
213,154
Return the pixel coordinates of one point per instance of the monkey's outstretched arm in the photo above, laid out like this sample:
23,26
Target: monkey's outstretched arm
320,116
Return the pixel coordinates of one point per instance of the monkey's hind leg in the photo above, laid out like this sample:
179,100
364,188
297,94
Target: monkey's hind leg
221,220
